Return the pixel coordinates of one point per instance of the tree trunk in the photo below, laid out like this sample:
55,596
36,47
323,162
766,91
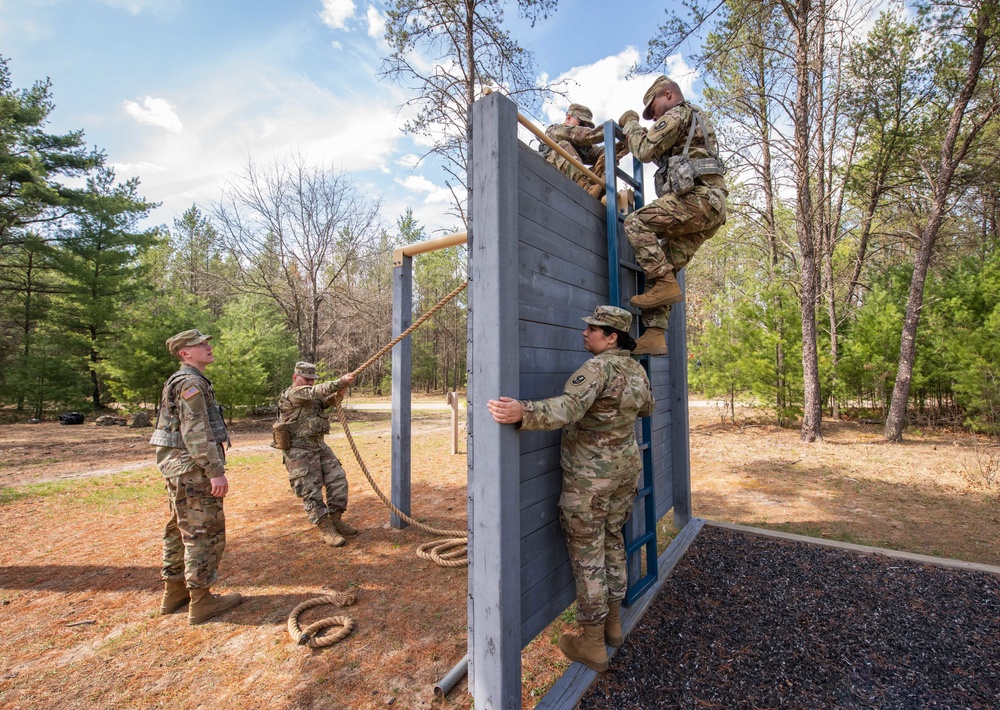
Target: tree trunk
813,405
896,418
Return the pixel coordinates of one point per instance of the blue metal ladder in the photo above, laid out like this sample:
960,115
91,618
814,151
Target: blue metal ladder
640,530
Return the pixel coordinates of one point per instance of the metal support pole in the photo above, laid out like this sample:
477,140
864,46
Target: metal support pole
402,364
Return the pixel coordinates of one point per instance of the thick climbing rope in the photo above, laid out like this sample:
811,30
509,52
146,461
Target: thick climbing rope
308,636
449,552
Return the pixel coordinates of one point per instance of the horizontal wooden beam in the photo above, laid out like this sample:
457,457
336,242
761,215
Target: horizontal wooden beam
444,242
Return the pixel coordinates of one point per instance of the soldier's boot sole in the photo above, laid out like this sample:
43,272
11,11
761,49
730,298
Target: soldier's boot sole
175,596
205,605
652,342
587,648
665,291
613,625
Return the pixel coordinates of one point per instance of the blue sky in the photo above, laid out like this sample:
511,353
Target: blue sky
183,92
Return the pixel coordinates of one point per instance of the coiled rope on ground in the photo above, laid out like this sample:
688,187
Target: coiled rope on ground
452,551
307,636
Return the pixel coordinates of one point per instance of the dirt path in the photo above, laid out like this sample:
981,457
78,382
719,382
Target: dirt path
42,453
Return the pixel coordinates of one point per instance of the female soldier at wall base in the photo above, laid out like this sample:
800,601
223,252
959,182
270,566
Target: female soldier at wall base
601,465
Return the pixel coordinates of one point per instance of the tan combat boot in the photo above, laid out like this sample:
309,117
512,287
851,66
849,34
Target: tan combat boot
175,596
626,200
587,648
664,291
652,342
205,605
329,533
345,529
613,625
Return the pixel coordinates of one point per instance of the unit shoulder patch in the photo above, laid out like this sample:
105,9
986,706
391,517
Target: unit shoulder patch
579,379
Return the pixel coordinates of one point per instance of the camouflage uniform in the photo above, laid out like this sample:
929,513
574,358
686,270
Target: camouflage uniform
667,232
583,142
601,466
312,465
189,437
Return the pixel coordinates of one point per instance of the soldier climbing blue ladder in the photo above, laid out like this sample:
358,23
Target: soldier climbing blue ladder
639,580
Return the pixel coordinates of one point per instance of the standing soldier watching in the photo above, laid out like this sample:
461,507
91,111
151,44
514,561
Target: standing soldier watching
189,437
601,464
312,466
690,205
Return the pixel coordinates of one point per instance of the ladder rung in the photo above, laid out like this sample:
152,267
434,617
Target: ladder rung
643,492
630,265
639,543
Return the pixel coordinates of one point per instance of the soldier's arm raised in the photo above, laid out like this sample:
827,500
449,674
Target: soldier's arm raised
579,394
649,145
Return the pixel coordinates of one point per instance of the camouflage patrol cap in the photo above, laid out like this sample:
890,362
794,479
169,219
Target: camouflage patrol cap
185,340
611,316
306,369
581,112
659,85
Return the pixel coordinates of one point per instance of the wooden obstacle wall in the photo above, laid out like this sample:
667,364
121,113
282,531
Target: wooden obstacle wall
537,264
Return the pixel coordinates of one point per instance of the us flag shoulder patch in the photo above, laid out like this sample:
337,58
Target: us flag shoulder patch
190,392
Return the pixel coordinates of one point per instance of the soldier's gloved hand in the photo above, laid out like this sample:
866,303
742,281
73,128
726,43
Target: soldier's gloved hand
629,115
220,486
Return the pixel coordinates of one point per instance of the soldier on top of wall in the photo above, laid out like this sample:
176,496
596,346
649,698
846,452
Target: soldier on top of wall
312,466
189,437
601,464
578,136
690,205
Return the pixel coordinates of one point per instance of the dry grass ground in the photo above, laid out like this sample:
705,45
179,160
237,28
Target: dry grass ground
84,546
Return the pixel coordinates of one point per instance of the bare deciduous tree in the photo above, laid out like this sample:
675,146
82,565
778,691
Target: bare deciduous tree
449,53
296,230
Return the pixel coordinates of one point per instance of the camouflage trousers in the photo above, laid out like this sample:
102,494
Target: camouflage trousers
667,232
574,173
310,473
592,513
195,536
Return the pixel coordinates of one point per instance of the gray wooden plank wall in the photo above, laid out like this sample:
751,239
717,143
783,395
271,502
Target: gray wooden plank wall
526,342
563,275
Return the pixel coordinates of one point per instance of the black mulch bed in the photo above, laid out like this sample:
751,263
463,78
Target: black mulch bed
752,622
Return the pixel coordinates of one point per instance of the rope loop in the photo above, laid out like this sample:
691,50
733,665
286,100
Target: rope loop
308,636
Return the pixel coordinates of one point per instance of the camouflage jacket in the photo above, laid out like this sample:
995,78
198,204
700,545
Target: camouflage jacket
597,410
667,137
587,141
190,431
302,409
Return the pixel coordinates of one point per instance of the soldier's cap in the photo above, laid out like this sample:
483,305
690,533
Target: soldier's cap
306,369
186,339
659,85
611,316
581,112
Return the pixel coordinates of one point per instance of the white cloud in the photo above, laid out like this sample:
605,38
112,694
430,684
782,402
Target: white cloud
408,161
154,112
336,13
376,23
136,7
140,168
604,87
